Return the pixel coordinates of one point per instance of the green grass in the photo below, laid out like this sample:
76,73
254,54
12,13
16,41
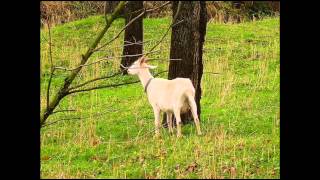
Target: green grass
240,108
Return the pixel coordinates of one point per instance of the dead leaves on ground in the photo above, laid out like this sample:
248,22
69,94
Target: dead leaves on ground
192,167
229,170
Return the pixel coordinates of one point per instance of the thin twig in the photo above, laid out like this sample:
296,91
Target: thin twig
129,23
108,86
101,87
149,10
174,23
106,58
163,59
53,45
63,110
164,4
105,10
114,38
95,79
50,50
51,64
128,43
81,118
177,13
47,124
210,73
46,112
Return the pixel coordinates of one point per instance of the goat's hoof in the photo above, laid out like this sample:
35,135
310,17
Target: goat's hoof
179,136
200,134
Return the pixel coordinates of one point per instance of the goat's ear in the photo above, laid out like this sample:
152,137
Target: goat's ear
143,59
140,59
151,67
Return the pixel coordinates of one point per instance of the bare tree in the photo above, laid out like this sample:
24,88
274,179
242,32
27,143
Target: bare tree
68,88
133,33
64,90
187,44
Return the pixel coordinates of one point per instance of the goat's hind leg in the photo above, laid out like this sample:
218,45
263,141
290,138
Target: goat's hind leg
178,122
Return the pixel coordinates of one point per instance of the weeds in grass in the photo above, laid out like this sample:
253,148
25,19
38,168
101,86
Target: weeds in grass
114,138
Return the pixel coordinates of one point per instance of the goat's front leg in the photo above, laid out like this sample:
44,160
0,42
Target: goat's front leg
169,122
157,120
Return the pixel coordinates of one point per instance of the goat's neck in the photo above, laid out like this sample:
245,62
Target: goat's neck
144,76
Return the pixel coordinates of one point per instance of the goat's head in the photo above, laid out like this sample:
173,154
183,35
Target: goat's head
139,65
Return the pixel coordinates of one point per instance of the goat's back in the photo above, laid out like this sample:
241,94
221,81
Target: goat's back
169,93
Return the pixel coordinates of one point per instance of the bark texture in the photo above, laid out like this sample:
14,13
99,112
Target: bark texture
187,41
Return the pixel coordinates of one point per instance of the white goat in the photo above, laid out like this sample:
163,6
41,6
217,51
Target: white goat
170,96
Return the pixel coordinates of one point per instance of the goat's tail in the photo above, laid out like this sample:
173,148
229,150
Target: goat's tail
193,106
191,101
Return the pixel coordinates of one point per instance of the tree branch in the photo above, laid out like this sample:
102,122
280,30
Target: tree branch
109,86
47,124
90,116
64,90
177,13
51,65
163,59
164,4
149,10
106,58
129,23
101,87
45,113
63,110
95,79
174,23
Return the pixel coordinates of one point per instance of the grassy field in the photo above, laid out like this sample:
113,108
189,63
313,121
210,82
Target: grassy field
114,137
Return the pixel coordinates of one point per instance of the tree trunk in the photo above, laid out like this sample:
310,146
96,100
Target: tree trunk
133,33
187,41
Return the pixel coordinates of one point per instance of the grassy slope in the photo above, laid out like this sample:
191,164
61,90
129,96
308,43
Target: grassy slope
240,109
